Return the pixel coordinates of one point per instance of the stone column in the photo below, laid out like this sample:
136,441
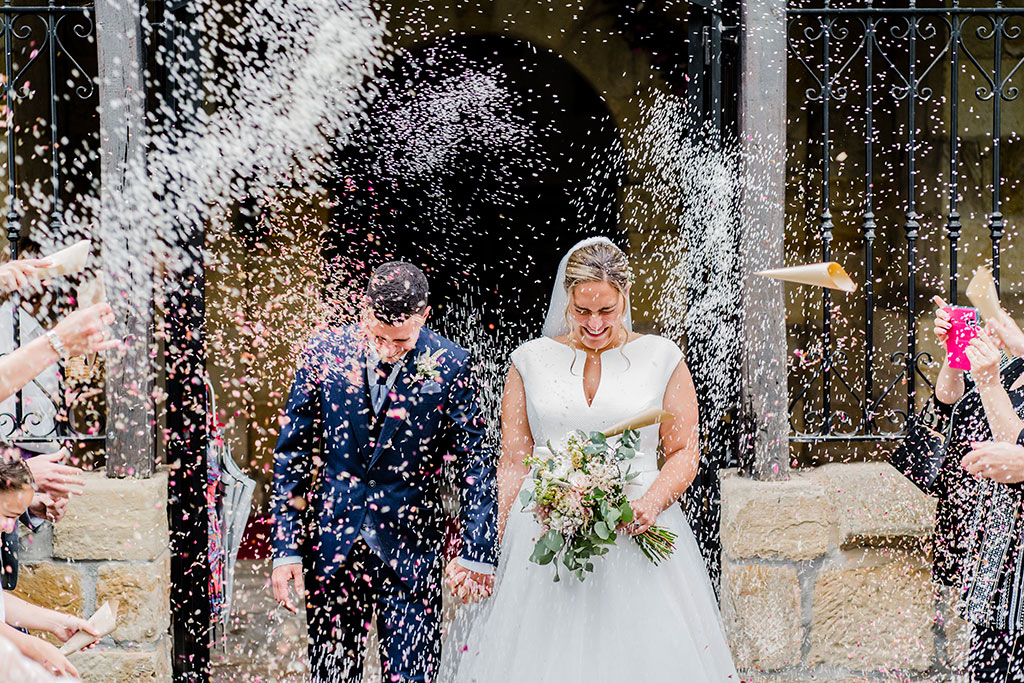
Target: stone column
762,123
126,256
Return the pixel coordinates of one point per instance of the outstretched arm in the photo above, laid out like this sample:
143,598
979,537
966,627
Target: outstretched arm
476,470
1003,420
293,471
516,445
680,439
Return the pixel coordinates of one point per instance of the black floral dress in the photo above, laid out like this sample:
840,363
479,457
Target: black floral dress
978,526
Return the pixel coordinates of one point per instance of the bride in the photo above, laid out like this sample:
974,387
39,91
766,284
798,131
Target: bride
629,620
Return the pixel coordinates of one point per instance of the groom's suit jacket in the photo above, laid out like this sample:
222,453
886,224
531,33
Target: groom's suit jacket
331,478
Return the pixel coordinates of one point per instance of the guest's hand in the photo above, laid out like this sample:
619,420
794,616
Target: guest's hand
66,625
645,514
467,585
45,507
984,357
996,460
17,275
282,580
1005,330
942,322
47,656
87,330
53,478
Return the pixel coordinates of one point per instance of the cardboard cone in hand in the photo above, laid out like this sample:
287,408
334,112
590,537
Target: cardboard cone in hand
982,293
829,274
67,261
105,621
92,292
651,416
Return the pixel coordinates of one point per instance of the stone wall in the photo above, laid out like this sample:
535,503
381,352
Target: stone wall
112,545
827,577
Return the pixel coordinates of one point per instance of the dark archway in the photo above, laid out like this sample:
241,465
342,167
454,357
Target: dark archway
483,159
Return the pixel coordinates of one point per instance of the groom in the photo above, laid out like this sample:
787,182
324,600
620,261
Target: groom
375,411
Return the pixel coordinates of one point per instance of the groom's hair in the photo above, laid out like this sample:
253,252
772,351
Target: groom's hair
397,290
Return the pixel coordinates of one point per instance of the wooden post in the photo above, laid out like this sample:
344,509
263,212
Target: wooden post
129,274
762,123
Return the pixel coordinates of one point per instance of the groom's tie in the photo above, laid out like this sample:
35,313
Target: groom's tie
379,390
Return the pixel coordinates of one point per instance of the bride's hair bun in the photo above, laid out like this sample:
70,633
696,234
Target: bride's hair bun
600,262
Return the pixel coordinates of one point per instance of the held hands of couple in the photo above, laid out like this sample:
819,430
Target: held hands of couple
467,585
995,460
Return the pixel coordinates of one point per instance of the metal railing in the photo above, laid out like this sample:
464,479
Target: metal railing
888,81
44,82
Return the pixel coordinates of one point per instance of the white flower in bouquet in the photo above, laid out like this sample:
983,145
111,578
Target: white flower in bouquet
579,500
579,480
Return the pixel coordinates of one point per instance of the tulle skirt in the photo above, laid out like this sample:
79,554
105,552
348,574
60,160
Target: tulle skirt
628,621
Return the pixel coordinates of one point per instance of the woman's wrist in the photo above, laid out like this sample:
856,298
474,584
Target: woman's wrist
986,379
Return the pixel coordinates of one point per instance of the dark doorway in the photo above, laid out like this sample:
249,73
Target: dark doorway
483,159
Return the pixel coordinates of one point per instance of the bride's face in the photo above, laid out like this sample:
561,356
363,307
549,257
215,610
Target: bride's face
596,314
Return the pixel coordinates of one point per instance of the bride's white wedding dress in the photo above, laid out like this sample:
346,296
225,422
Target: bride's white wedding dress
629,620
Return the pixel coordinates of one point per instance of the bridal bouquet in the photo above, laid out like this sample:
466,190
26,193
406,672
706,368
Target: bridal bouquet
579,499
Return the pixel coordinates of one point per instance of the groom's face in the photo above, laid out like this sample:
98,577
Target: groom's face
391,342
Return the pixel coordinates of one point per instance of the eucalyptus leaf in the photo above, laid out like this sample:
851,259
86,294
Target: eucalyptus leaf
554,540
627,512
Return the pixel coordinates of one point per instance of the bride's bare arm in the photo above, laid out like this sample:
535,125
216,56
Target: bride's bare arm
516,444
680,439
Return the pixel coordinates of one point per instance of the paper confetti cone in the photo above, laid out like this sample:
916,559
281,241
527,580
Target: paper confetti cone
649,417
104,619
829,274
67,261
982,293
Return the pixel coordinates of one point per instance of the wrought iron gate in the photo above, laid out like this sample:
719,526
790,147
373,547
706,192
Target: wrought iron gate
905,112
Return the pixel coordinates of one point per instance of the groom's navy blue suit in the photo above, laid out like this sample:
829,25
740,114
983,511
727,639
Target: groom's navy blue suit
358,497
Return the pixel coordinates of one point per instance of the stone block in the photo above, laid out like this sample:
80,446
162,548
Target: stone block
56,586
776,519
761,611
874,611
115,519
872,499
143,595
125,666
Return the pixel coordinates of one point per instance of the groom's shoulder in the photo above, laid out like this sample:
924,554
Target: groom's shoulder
435,342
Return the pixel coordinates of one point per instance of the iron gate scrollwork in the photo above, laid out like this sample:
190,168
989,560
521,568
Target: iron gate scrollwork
48,70
894,78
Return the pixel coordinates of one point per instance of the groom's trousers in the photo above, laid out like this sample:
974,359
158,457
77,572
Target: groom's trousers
341,610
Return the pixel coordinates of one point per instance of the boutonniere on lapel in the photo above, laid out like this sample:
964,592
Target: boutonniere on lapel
427,373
